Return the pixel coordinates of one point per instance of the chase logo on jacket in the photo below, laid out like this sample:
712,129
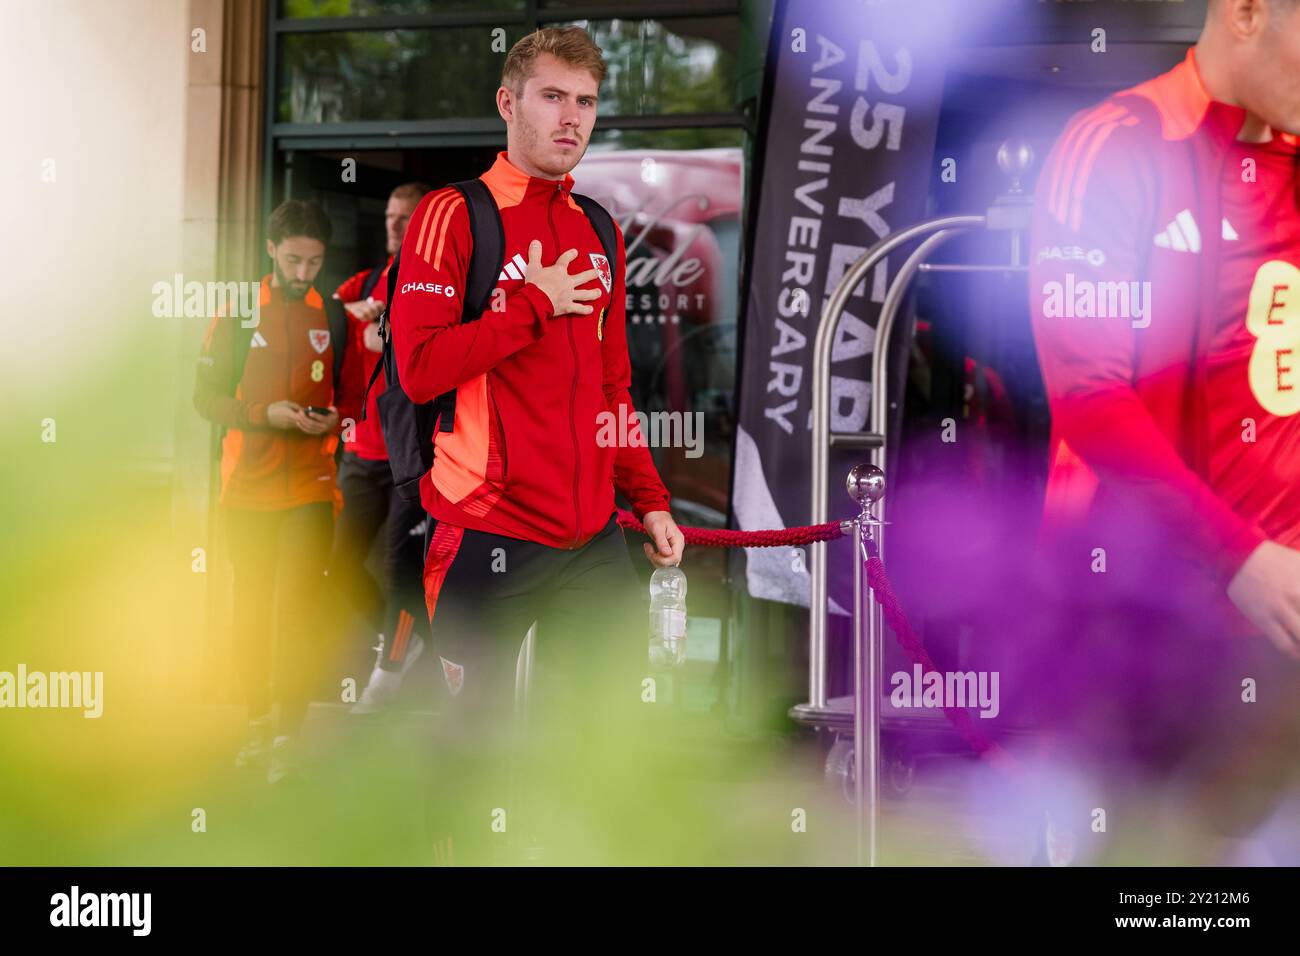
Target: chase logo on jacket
434,287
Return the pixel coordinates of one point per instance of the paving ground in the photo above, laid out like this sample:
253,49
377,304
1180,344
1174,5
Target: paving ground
708,796
722,799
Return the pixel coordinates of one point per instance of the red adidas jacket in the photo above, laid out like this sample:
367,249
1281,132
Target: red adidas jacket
366,438
1130,193
522,459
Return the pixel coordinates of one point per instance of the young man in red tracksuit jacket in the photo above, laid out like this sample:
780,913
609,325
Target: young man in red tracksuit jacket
1165,295
370,502
277,476
521,490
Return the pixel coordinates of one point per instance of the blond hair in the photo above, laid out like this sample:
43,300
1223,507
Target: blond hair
410,192
571,45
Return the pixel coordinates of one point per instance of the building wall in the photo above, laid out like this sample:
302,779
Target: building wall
94,172
132,157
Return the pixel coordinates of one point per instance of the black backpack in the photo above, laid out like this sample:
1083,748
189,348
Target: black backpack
408,428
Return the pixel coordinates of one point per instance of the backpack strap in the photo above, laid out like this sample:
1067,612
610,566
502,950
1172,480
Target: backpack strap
489,247
367,287
384,355
603,223
387,360
487,255
338,326
372,280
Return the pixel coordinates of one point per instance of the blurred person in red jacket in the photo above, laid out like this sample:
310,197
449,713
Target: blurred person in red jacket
1165,297
371,504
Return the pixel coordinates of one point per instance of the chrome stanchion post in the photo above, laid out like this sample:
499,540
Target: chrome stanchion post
524,674
866,486
521,831
824,435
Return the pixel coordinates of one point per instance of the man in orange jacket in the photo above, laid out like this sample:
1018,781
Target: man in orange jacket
275,389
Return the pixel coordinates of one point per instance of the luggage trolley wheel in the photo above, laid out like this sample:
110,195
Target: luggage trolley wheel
898,768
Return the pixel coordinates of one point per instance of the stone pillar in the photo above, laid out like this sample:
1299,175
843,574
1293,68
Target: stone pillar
222,242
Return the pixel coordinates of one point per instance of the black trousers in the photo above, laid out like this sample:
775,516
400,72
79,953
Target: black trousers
544,771
278,559
371,505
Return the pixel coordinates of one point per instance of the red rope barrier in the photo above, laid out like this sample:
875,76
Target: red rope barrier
879,582
726,538
961,719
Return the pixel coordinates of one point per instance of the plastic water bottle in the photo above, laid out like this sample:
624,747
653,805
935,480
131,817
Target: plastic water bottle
667,617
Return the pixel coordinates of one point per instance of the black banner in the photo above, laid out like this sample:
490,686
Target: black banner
847,156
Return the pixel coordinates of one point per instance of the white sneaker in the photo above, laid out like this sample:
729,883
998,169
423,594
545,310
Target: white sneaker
256,750
1061,843
284,761
381,690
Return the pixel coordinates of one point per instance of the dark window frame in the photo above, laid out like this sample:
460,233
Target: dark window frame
285,138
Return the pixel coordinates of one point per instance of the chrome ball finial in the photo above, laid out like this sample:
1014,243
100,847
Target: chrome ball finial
866,483
1015,159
